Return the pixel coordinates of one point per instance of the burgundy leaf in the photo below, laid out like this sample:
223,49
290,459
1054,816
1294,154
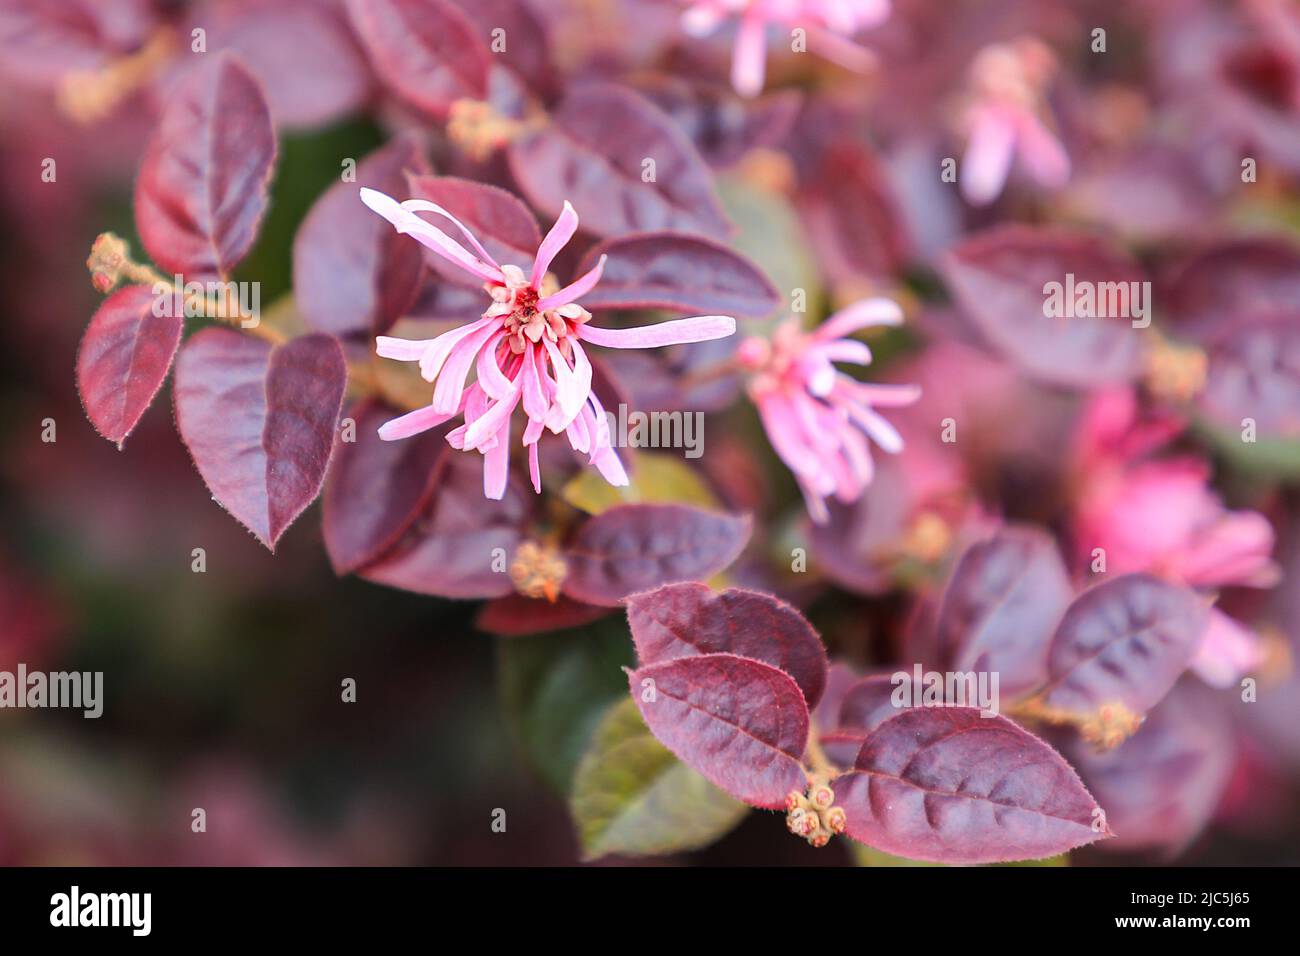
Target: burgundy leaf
426,50
1000,607
998,278
666,270
321,76
1230,281
1254,372
201,192
452,549
689,619
500,221
259,421
527,46
43,42
947,785
594,154
1160,787
1126,640
632,548
377,489
516,615
353,274
866,705
723,127
741,723
124,358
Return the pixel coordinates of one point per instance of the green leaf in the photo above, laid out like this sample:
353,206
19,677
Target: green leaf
654,479
556,687
864,855
632,796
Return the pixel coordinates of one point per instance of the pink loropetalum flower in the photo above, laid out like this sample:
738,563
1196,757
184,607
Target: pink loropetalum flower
1005,121
828,21
817,418
526,349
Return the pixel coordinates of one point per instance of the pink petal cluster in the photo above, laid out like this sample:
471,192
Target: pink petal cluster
526,349
1004,121
829,21
817,418
1160,515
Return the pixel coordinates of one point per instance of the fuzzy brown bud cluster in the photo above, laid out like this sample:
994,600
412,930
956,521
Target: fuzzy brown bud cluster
814,815
538,571
109,255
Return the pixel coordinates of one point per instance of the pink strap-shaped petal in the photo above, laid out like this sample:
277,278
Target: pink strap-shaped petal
412,423
603,456
491,379
403,350
1227,651
574,290
555,240
748,56
534,468
496,465
407,222
536,402
859,315
987,162
1042,153
886,396
841,51
579,435
451,381
784,433
423,205
569,392
845,350
432,360
490,423
882,433
700,328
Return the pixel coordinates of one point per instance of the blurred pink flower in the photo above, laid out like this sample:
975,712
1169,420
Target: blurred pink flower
828,22
817,418
1161,516
525,348
1004,120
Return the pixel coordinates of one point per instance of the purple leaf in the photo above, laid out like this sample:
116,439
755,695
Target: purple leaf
1160,787
319,77
528,46
947,785
1254,372
998,278
689,619
43,42
866,705
1230,281
516,615
426,50
594,154
259,421
377,489
500,221
353,274
1126,640
741,723
666,270
632,548
124,358
201,192
723,127
449,551
1000,607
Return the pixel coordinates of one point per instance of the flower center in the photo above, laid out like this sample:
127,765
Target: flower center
516,303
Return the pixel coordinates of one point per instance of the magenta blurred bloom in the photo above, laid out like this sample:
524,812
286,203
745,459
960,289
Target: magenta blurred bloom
817,418
526,349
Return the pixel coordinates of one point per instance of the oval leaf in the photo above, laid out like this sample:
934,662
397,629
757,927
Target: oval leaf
377,489
688,619
593,154
632,796
1254,372
947,785
448,551
124,358
353,274
741,723
998,278
426,50
633,548
201,192
1001,605
668,270
866,705
1125,640
516,615
259,421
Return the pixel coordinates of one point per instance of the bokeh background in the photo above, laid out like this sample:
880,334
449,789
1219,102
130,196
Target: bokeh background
222,689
